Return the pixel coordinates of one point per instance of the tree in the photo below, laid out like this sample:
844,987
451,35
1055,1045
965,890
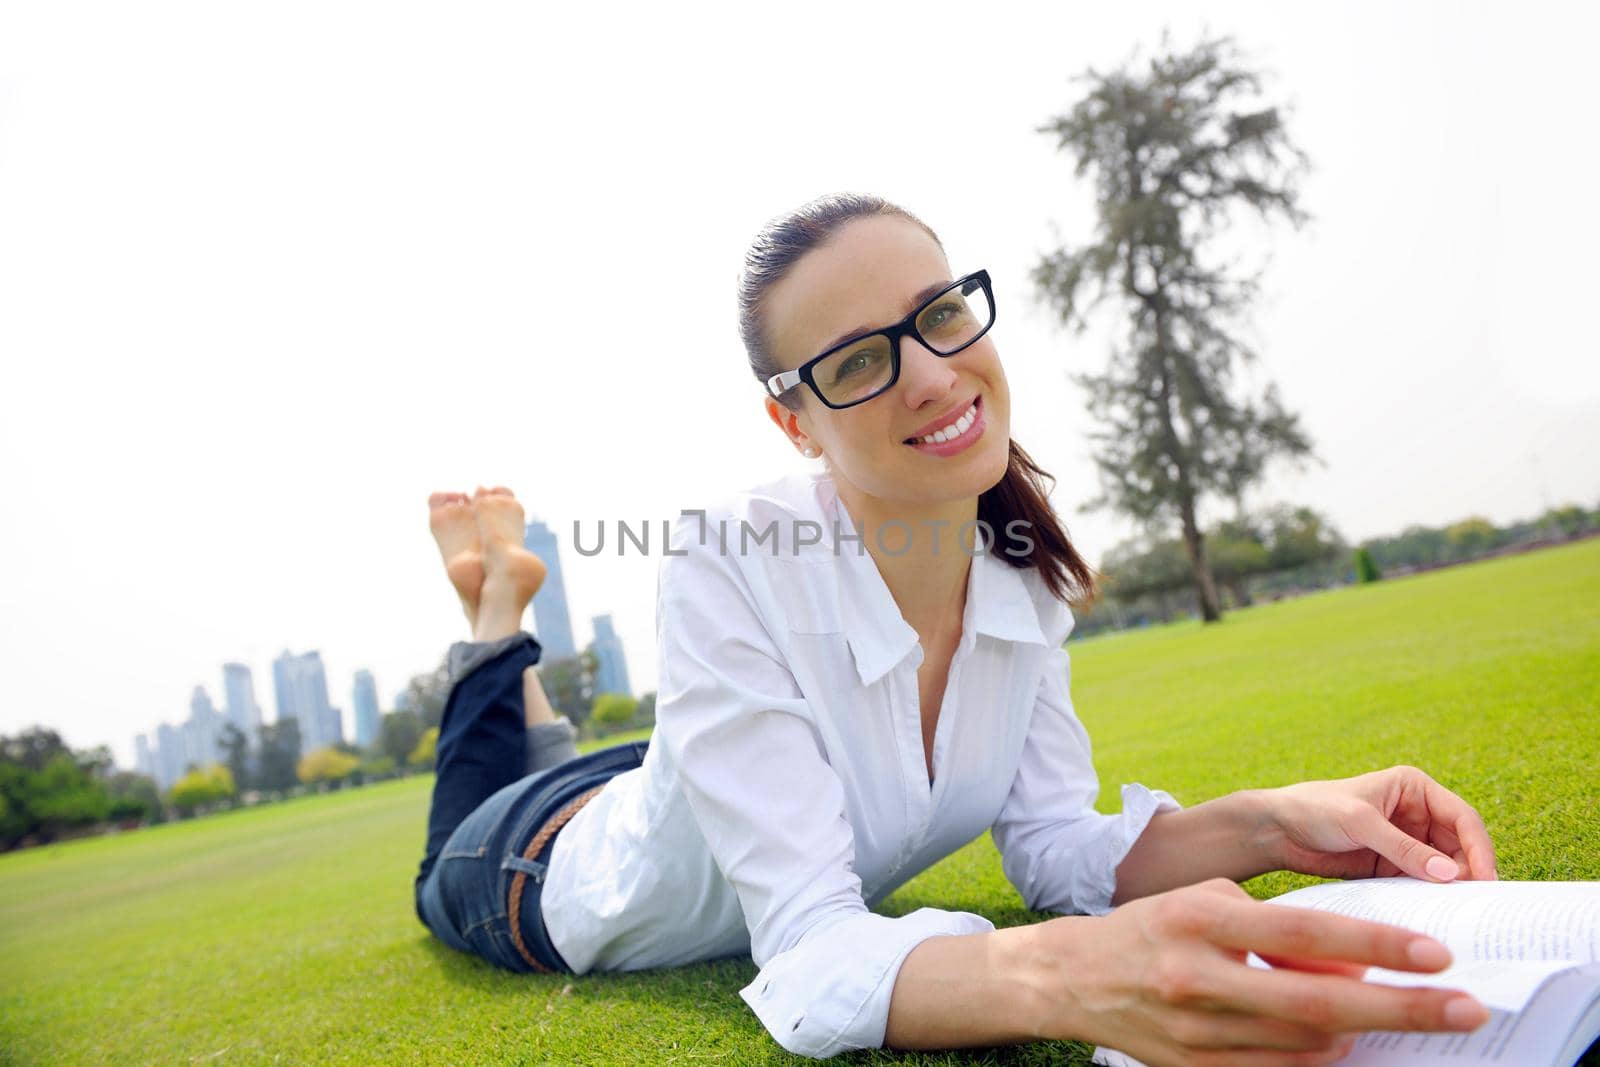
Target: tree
613,709
422,756
47,789
1571,520
1415,546
236,755
374,768
1173,151
569,684
201,788
134,797
62,796
33,748
279,756
398,734
1366,570
1470,537
326,765
426,694
1299,536
97,762
1140,567
1235,557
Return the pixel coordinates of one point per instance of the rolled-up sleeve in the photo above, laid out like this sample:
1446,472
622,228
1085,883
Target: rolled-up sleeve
771,808
1059,852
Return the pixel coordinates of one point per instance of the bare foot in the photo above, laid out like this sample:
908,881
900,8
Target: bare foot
455,527
511,574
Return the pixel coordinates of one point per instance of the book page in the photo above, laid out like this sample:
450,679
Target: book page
1542,1034
1558,1024
1506,986
1479,921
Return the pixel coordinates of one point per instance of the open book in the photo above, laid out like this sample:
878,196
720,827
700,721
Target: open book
1529,951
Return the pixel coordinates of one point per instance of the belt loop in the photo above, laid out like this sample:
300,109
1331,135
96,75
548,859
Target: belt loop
527,866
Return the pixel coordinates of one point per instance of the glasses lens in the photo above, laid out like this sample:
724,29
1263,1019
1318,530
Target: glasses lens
856,371
956,317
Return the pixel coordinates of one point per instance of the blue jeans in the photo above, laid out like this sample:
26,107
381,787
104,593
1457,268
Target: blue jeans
486,809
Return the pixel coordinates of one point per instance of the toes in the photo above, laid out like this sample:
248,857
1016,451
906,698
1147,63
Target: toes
439,500
500,490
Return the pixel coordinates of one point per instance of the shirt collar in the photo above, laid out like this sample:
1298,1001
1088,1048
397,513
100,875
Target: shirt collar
998,604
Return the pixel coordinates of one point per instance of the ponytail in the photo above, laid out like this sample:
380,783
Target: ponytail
1022,497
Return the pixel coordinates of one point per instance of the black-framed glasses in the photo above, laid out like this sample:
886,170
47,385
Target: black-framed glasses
859,369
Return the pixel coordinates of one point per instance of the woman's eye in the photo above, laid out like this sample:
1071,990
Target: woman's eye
941,315
855,364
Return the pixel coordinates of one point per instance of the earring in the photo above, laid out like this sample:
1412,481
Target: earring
810,453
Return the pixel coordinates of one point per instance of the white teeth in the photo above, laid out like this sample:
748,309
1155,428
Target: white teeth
954,430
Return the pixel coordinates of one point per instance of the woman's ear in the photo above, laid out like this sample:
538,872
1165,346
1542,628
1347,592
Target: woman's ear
792,423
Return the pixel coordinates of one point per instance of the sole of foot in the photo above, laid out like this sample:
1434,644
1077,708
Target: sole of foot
454,523
511,574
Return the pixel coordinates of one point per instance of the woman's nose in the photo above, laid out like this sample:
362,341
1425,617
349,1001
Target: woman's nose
924,376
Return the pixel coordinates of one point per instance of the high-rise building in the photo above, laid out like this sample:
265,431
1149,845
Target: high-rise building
283,687
239,699
300,686
202,731
171,761
552,623
364,702
332,732
612,675
144,760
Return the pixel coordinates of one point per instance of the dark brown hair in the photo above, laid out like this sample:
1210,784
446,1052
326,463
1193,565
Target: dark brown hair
1022,494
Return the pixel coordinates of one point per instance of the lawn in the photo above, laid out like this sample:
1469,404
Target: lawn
285,933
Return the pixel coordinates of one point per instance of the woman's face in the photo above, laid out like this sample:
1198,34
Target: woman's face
868,275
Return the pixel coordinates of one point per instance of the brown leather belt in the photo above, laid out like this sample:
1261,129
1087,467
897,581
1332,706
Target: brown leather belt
520,879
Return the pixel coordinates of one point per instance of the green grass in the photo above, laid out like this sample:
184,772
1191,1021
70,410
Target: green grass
286,933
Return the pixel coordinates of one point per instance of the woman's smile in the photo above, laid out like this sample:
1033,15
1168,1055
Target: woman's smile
949,435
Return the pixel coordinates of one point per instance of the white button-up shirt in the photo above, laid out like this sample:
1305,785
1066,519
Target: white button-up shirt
785,790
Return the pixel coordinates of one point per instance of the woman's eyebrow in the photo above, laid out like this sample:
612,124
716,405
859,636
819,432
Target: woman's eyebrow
861,331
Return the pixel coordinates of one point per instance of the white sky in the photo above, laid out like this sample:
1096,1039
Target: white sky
270,274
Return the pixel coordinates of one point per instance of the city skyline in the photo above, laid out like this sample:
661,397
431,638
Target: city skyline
300,692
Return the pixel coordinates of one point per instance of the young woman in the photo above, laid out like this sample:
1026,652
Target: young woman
862,670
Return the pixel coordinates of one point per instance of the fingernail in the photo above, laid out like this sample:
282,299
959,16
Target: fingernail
1426,952
1465,1013
1442,867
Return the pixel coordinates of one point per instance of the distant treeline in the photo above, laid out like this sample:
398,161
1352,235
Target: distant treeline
1285,551
49,791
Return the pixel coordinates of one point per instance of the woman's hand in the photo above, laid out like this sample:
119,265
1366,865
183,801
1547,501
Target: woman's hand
1377,825
1164,979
